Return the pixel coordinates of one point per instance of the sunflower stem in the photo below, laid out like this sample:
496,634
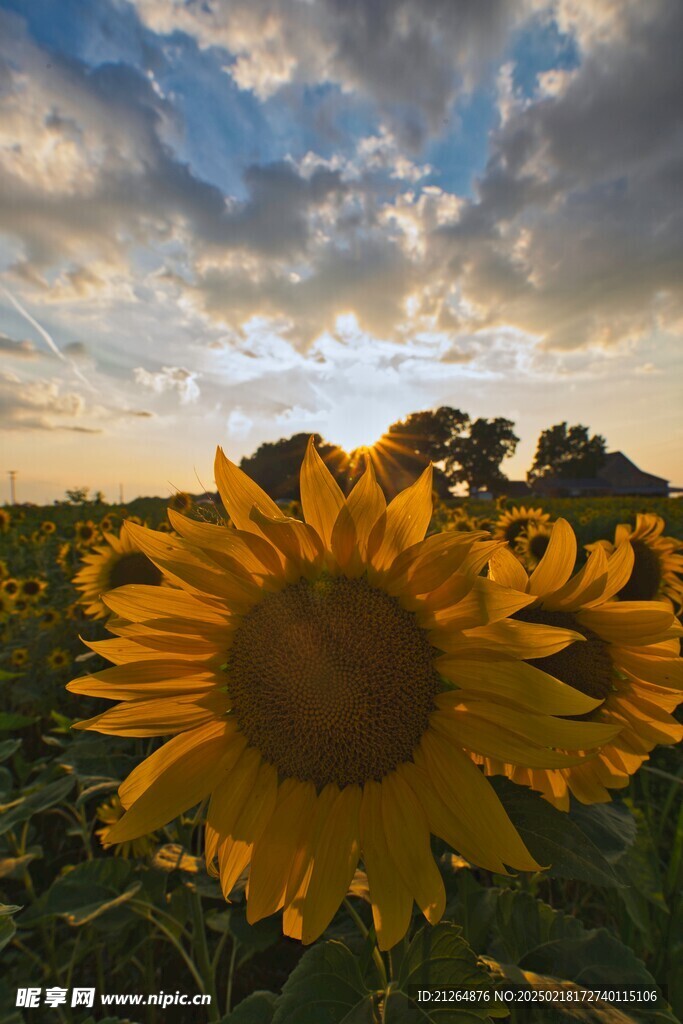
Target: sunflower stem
365,932
202,952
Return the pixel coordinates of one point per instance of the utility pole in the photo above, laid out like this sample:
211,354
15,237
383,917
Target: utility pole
120,494
12,473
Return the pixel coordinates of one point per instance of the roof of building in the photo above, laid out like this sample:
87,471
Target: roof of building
620,471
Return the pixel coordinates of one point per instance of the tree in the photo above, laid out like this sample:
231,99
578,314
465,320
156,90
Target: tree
411,443
474,457
568,453
469,451
275,465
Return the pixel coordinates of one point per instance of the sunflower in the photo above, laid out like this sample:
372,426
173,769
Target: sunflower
111,811
513,521
19,657
49,618
48,527
181,501
658,562
5,520
107,524
305,672
32,588
10,587
86,533
58,658
532,544
113,564
629,660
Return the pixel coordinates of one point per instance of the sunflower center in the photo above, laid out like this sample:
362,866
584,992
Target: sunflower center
538,544
585,666
134,568
646,575
514,529
332,681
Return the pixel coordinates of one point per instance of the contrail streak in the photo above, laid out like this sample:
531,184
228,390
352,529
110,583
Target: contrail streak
46,337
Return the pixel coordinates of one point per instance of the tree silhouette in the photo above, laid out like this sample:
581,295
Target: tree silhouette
275,465
568,453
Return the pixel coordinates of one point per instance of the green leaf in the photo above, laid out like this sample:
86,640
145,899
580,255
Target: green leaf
611,827
7,748
553,838
326,987
440,958
37,801
8,928
258,1008
86,892
10,721
522,923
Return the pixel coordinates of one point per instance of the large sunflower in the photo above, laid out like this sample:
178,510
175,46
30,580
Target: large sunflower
113,564
630,660
303,670
514,521
657,572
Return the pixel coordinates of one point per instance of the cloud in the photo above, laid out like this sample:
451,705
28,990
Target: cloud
409,59
41,405
170,378
21,349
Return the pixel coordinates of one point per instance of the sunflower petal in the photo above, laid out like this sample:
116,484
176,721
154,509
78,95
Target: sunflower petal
518,682
159,716
557,564
408,517
322,498
239,493
235,852
506,569
392,900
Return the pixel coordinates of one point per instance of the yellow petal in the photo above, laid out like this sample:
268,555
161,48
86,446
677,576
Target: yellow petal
366,504
493,740
335,857
506,639
297,541
407,833
182,783
557,564
254,553
145,679
462,786
517,682
159,716
275,851
628,622
485,603
392,899
235,852
239,493
586,587
321,496
619,569
229,797
506,569
301,870
138,603
408,517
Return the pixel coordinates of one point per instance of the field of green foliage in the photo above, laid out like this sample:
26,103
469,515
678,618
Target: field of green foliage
147,918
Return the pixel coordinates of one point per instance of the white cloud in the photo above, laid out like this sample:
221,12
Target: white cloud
169,379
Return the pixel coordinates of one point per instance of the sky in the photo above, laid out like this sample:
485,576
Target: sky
229,221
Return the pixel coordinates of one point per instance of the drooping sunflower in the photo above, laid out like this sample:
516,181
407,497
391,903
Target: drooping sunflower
629,660
657,573
513,521
532,544
117,562
305,671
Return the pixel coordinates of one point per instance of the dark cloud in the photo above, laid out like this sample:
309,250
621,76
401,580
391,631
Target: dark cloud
21,349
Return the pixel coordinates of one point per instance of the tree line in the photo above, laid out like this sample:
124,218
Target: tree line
463,450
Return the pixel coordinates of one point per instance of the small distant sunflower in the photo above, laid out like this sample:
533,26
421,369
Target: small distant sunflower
49,618
113,564
323,681
10,587
629,660
513,521
32,588
20,605
19,657
109,813
5,520
86,533
532,544
165,527
48,527
58,658
658,563
181,501
106,524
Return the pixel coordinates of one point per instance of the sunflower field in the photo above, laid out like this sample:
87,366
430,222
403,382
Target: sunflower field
341,761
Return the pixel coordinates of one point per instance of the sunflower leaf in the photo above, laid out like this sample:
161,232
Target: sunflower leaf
326,987
553,838
440,959
258,1008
